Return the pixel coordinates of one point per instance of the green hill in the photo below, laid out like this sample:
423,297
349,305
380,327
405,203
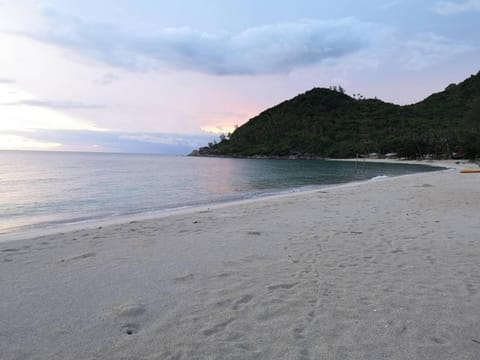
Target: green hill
329,123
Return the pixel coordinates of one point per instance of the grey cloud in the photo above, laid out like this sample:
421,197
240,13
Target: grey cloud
429,49
7,81
258,50
56,104
452,7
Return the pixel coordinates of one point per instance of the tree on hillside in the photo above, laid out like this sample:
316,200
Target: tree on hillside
470,135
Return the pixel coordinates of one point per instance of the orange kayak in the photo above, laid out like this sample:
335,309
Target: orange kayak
470,171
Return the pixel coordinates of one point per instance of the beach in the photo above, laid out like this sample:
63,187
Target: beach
384,269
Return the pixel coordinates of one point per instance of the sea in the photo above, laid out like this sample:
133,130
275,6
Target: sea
45,190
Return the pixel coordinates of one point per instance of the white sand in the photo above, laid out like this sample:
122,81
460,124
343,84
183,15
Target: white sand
380,270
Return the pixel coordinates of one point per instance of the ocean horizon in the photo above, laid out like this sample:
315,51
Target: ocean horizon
44,190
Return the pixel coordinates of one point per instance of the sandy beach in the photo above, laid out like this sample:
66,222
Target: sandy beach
384,269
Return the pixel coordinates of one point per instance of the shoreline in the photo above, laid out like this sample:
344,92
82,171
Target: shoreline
456,164
163,213
381,269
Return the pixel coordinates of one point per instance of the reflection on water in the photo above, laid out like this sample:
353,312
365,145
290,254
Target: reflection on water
44,188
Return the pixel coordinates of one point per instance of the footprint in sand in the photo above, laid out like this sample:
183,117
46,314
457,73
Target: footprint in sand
182,279
439,340
217,328
79,257
223,275
472,290
298,332
245,299
326,292
282,286
14,250
131,310
10,250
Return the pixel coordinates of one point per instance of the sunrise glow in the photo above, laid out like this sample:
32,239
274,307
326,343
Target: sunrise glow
20,111
14,142
218,129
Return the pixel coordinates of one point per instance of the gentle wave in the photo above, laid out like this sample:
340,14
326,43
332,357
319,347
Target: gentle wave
379,177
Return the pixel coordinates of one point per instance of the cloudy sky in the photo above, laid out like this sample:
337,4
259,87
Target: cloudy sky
169,76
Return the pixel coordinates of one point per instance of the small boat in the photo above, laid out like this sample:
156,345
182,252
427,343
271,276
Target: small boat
470,171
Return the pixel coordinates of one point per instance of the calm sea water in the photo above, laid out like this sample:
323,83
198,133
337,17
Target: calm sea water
45,189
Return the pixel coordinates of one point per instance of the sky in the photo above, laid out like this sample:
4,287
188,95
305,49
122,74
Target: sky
161,76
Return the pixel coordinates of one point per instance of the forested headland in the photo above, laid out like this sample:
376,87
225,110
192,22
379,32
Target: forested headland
329,123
